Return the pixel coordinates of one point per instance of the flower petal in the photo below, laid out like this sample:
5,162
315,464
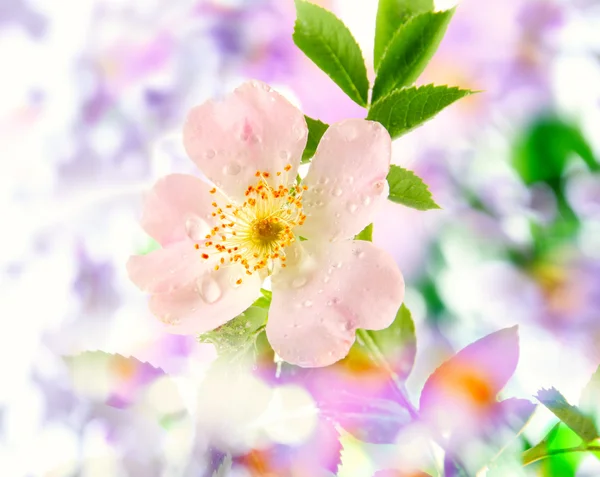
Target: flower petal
463,390
328,292
253,129
178,207
346,180
166,269
208,301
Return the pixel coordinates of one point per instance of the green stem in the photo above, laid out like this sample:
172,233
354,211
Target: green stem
531,459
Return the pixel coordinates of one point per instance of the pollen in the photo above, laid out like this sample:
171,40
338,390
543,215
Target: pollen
254,233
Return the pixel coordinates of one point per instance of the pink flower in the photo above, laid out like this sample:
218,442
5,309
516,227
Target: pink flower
220,242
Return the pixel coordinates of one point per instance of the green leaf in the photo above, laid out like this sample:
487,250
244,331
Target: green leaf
366,234
330,45
547,147
560,451
236,337
395,347
316,129
408,189
572,416
406,109
390,15
409,51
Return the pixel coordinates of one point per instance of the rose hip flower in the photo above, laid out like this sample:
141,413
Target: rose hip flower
221,240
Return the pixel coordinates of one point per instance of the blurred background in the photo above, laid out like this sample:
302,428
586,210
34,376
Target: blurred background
93,98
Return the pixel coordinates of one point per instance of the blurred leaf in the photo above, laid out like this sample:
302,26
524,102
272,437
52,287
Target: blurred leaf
407,108
330,45
369,419
565,444
546,148
590,397
408,189
572,416
391,14
409,51
113,379
316,129
366,234
477,372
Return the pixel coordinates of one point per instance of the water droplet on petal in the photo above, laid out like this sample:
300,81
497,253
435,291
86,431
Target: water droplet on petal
299,282
196,228
337,192
209,289
352,207
338,215
360,254
307,303
350,179
323,180
232,169
350,132
337,265
326,278
300,132
210,153
366,200
285,155
378,186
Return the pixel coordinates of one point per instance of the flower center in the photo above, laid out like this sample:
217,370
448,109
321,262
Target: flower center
256,232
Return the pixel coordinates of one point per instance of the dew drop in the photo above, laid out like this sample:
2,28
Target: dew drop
337,265
350,132
366,200
307,304
299,282
323,180
196,228
285,155
232,169
337,192
300,132
378,186
360,254
326,279
338,215
350,179
209,289
352,207
209,154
